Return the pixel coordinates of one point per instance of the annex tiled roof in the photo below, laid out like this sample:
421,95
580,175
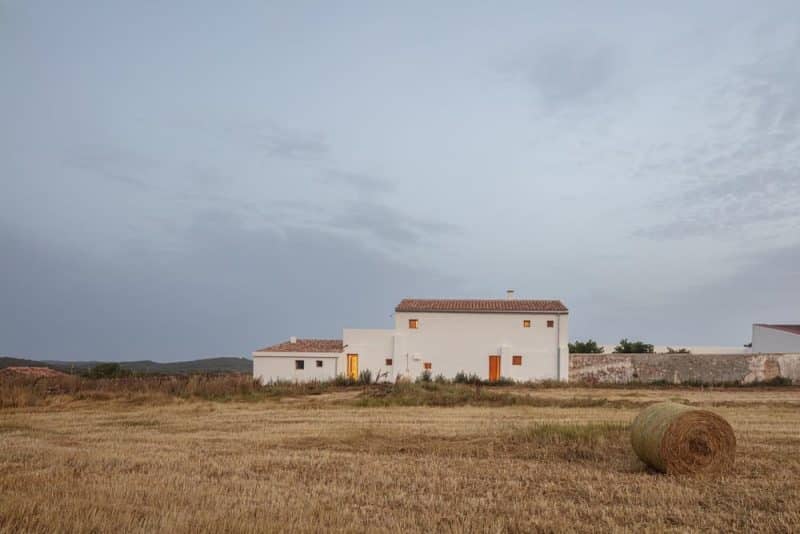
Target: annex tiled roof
481,306
791,328
306,345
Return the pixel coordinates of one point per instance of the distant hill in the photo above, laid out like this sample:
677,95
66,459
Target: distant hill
228,364
7,361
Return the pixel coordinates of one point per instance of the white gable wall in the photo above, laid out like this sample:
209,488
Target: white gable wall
454,342
771,340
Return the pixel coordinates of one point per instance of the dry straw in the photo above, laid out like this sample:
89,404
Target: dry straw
678,439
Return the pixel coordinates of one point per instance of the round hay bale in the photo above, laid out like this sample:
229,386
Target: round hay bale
678,439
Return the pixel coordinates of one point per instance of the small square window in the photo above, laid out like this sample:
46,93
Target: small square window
388,362
526,323
299,364
550,324
428,366
516,360
319,363
413,324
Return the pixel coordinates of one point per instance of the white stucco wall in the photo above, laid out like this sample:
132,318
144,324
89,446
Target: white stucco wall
770,340
274,366
373,346
454,342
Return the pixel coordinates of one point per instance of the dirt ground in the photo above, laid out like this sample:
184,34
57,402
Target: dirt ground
311,464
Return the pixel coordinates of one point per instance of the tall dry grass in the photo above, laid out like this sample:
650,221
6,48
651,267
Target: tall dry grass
24,391
19,391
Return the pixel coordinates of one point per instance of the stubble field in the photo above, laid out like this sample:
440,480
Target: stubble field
559,461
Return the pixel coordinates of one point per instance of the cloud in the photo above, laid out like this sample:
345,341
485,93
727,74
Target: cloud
362,183
730,205
567,72
720,312
227,290
748,180
389,226
284,143
112,163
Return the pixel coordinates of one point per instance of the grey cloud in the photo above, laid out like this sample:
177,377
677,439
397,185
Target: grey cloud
772,84
762,290
360,182
266,135
388,225
105,271
753,184
228,290
715,222
112,163
720,312
730,205
753,179
285,143
567,72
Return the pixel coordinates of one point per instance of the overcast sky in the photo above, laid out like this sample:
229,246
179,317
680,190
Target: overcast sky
189,179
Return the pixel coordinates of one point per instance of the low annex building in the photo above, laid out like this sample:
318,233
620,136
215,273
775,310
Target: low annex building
491,338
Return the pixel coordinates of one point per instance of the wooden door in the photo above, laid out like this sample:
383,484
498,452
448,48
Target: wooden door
352,366
494,368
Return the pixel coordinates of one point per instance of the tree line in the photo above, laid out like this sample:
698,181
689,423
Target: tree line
625,346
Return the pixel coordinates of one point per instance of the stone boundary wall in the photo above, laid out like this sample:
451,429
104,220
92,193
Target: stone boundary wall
678,368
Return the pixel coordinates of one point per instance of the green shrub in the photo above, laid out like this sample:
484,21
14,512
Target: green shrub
343,381
633,347
586,347
365,377
502,381
425,376
463,378
440,379
107,370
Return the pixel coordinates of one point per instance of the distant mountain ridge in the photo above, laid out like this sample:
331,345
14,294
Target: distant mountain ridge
225,364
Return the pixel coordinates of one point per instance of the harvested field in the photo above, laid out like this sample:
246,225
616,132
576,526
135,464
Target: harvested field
560,460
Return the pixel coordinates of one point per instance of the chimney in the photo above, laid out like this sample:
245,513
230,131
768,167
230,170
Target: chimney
509,294
292,339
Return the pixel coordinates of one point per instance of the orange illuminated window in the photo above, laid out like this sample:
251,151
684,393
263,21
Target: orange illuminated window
428,366
526,323
389,362
413,323
516,360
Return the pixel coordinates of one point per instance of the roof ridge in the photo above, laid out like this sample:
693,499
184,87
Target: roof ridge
497,305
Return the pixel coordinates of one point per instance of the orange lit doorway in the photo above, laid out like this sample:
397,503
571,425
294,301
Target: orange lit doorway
494,368
352,366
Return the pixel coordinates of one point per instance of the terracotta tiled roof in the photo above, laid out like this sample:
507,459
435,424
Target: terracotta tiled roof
791,328
306,345
481,306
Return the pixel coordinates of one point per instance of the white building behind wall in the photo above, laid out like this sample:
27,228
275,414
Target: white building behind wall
776,338
491,338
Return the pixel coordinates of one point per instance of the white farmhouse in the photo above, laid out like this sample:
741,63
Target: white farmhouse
491,338
775,338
